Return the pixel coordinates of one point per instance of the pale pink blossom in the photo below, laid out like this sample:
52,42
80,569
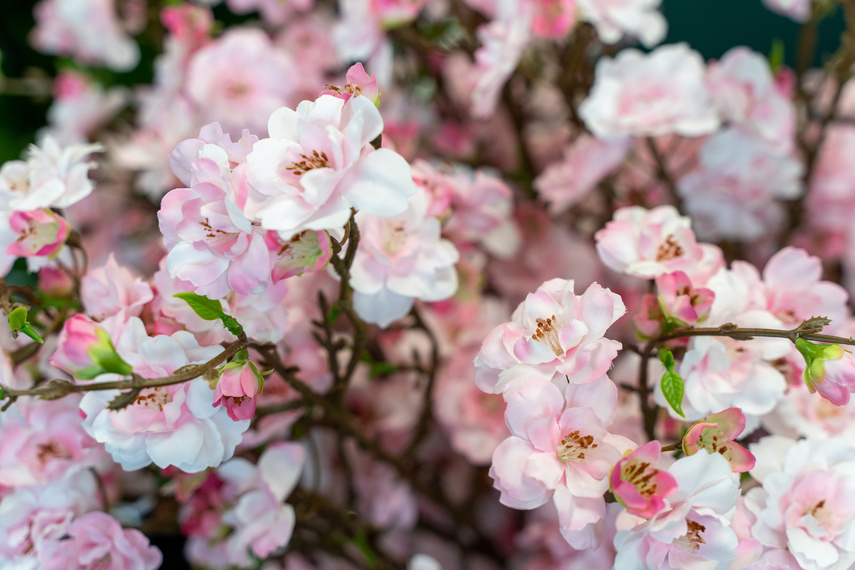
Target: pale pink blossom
81,106
555,331
829,370
52,177
42,441
647,243
503,41
240,79
170,425
558,453
638,484
650,94
716,433
694,530
358,83
306,252
806,501
87,30
41,233
112,290
745,93
615,18
96,538
553,19
681,300
318,164
359,35
85,350
796,10
401,259
801,414
31,515
585,164
736,192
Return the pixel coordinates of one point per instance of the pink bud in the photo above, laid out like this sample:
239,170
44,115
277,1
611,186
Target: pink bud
716,434
638,485
237,389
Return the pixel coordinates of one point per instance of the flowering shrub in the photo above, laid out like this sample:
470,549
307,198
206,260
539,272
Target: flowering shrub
397,284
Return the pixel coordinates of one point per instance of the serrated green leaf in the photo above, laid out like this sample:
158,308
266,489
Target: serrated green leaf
210,310
31,332
18,318
672,388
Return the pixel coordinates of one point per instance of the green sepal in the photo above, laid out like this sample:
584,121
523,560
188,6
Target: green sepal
18,323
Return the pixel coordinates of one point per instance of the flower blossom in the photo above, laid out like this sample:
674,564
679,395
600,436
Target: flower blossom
98,538
237,389
638,485
716,434
829,370
318,164
401,259
651,94
615,18
555,331
169,425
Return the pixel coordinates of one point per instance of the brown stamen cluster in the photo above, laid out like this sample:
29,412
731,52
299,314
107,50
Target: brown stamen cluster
668,249
309,162
547,334
574,447
639,474
692,540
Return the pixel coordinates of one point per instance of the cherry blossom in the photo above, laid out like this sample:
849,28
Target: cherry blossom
638,485
615,18
716,434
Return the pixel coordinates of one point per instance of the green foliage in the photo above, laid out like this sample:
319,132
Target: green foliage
18,323
672,384
211,310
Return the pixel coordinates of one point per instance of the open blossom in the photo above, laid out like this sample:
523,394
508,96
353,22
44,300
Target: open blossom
318,163
96,537
694,530
556,331
716,434
647,243
81,106
744,91
734,192
169,425
584,164
306,252
615,18
651,94
211,242
559,453
807,499
358,83
401,259
41,233
239,79
638,485
88,30
52,177
113,289
678,303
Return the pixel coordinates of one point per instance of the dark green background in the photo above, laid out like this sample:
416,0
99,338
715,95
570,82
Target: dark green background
712,27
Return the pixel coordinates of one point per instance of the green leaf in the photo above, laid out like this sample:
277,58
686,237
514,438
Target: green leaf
210,310
18,322
18,318
361,542
672,384
776,55
2,394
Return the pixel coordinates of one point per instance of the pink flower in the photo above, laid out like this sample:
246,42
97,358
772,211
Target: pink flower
274,12
96,538
318,164
647,243
237,389
40,233
615,18
358,83
401,259
829,370
638,485
744,90
52,177
240,79
112,290
557,332
306,252
651,94
585,163
734,192
681,300
553,19
81,106
86,351
89,31
716,434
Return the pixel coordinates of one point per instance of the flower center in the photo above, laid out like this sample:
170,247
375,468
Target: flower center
819,512
394,237
639,474
547,334
50,450
154,398
574,447
309,162
668,249
692,540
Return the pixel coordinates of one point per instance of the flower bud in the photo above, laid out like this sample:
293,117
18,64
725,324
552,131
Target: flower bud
829,370
716,434
239,385
86,351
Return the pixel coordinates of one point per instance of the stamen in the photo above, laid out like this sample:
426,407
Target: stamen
547,334
574,447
